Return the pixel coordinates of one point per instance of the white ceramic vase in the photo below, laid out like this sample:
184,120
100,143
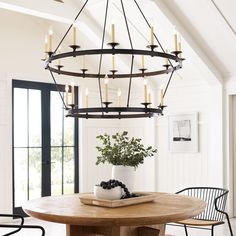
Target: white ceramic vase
125,174
109,194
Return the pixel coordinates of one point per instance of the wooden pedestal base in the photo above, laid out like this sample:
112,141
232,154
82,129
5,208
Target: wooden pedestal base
152,230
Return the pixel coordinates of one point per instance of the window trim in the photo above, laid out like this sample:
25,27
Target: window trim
45,88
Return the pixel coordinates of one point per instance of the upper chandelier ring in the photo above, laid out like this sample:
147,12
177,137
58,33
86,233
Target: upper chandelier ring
115,51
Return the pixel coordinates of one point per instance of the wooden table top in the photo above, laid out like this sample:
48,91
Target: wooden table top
68,209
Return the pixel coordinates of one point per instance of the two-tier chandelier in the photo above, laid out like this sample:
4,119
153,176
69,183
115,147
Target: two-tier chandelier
172,62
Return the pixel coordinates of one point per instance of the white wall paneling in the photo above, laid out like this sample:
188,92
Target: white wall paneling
234,152
180,170
229,169
5,144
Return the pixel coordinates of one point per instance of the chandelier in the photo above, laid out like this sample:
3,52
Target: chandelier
106,109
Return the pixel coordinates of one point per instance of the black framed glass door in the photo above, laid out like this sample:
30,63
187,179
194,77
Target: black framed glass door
45,143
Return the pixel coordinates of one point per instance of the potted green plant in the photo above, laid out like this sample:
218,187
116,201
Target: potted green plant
124,153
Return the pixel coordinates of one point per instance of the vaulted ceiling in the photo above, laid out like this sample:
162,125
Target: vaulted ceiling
212,25
207,29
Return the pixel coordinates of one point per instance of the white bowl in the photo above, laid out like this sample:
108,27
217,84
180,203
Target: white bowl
109,194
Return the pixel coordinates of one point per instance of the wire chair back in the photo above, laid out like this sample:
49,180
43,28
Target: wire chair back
215,199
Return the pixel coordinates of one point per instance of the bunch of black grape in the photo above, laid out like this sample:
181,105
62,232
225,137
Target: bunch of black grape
112,183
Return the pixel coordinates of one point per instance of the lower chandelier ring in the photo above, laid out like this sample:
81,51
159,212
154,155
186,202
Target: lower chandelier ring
105,112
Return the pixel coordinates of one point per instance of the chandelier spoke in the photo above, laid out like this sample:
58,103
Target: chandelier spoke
130,80
168,83
158,41
127,25
68,30
100,60
54,79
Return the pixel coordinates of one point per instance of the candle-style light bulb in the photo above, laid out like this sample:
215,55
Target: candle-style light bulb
175,40
149,95
113,31
119,97
145,90
86,97
180,47
161,95
59,51
152,34
179,44
73,93
142,62
50,32
67,94
74,35
106,88
46,44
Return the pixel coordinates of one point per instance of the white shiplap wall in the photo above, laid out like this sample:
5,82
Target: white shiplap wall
204,168
5,144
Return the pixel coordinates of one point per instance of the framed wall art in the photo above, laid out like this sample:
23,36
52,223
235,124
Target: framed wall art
183,132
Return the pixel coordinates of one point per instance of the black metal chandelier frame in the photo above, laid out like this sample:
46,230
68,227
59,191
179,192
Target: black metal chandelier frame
105,110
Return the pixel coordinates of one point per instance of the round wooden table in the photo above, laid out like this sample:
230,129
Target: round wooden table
131,220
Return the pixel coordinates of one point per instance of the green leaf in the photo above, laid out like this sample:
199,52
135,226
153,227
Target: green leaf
119,149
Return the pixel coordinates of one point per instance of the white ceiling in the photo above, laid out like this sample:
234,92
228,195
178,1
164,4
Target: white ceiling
212,24
207,29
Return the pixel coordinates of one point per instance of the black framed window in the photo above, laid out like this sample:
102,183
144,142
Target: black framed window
45,143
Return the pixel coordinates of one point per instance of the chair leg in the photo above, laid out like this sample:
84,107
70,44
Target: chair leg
212,230
230,228
186,231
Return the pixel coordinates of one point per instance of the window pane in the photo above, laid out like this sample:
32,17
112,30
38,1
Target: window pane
69,131
68,170
56,171
20,117
20,175
35,170
56,119
34,118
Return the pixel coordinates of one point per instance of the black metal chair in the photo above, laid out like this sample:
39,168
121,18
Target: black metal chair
21,225
214,212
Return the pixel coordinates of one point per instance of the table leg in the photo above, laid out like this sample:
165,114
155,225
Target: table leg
148,230
154,230
72,230
151,230
78,230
